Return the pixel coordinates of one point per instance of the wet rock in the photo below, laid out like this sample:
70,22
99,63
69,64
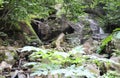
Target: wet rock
4,66
99,36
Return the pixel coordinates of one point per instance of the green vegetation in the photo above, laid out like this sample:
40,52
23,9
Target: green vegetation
25,9
113,38
52,62
15,22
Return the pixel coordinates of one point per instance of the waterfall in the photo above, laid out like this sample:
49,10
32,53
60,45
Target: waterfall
98,32
94,27
101,31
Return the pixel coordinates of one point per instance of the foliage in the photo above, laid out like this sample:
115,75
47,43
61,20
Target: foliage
1,1
55,57
52,62
21,10
25,9
111,9
56,69
104,43
74,8
115,35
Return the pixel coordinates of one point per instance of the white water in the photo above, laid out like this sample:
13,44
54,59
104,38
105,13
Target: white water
101,31
94,27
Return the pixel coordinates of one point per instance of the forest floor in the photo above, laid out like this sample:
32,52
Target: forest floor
13,58
68,54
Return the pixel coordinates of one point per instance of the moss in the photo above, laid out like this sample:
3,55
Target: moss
33,35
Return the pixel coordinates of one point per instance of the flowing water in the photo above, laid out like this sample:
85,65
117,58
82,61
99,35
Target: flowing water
95,27
98,32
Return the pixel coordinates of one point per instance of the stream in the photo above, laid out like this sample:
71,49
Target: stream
97,31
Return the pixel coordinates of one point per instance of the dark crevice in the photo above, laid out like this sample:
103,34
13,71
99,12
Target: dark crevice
47,34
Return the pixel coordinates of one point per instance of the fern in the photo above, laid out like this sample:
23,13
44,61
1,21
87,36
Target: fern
105,41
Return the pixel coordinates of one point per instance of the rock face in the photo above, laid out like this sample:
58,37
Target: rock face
51,28
42,30
75,33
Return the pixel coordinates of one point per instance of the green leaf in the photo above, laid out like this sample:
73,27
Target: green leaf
104,43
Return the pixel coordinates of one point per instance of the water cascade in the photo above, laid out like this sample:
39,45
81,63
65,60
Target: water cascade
97,32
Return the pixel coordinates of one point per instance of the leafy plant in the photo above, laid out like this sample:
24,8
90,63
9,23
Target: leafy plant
52,62
104,43
111,74
115,35
25,9
46,69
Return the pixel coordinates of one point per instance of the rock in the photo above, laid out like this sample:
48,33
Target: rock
93,68
87,48
116,59
60,40
90,46
20,74
5,66
117,43
99,36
